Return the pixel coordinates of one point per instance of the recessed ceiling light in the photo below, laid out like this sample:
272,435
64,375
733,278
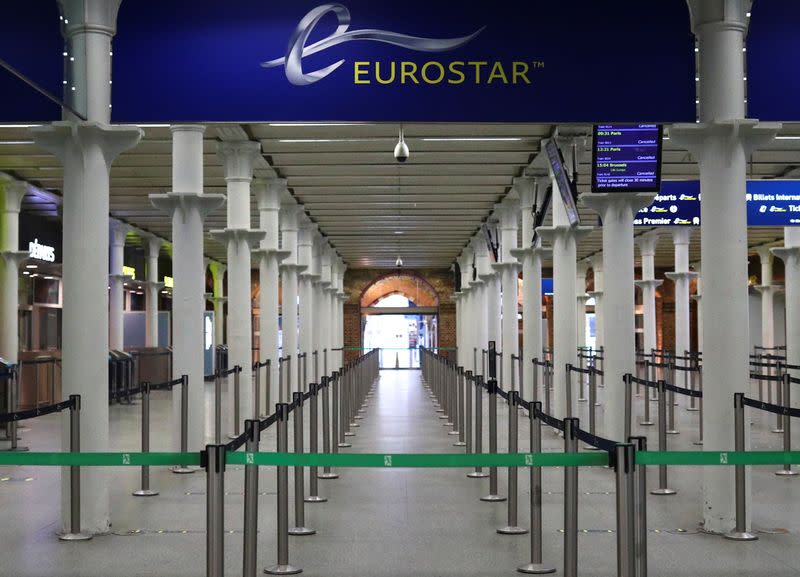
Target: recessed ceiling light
306,124
473,139
299,140
31,266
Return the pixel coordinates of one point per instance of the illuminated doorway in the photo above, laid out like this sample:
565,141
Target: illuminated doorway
399,336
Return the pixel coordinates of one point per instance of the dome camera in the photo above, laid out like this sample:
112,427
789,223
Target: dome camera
401,153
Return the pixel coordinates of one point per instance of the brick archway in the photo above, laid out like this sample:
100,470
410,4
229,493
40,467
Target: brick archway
415,288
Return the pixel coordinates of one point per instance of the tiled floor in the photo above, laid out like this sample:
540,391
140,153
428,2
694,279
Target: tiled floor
386,522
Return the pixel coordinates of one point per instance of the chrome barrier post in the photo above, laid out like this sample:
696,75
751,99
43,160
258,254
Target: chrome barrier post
592,404
778,396
75,532
215,510
535,391
288,376
282,567
475,359
257,392
740,532
313,472
468,412
305,372
671,430
300,528
460,421
250,539
787,470
649,373
626,379
512,528
339,417
478,473
268,386
581,395
315,357
521,377
662,441
236,405
13,428
325,361
217,408
536,567
640,504
692,378
568,389
571,426
326,427
183,469
281,398
626,516
493,495
548,385
145,491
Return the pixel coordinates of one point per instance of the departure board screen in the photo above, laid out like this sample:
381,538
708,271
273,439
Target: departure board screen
626,158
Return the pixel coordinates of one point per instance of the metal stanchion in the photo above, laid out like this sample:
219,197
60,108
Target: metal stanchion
13,428
305,372
626,379
787,470
512,528
338,414
282,567
313,476
493,495
640,505
649,375
183,469
215,510
693,364
478,473
467,412
460,422
535,391
250,540
568,389
536,567
75,532
315,357
521,378
778,396
299,528
662,441
740,532
571,426
325,361
268,386
217,409
548,385
671,430
281,398
257,392
626,514
145,491
326,426
581,395
592,405
236,404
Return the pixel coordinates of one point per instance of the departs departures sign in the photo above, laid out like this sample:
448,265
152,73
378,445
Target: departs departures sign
626,158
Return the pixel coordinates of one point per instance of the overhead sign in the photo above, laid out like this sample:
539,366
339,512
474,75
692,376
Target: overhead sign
419,60
626,158
129,271
169,282
769,203
41,251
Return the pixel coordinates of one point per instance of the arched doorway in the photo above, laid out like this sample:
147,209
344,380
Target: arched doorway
399,314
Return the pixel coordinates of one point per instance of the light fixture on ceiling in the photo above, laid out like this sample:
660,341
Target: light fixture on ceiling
473,139
401,152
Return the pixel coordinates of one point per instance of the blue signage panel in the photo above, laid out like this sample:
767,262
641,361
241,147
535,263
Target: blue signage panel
773,50
416,60
626,158
769,203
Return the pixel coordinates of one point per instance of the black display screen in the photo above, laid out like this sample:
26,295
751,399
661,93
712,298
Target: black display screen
626,158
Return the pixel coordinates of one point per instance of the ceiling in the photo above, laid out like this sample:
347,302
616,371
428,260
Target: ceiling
372,208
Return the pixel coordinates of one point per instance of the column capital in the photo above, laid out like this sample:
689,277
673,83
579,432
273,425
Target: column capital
183,203
118,232
694,137
790,255
83,16
152,245
525,187
63,137
15,257
289,214
551,233
237,236
682,275
647,242
540,251
768,288
269,192
15,191
681,235
616,205
279,255
725,14
238,158
582,299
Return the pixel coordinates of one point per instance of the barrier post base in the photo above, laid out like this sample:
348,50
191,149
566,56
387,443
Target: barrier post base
344,445
535,569
786,473
328,476
478,475
741,536
283,570
180,470
646,423
302,531
75,537
510,530
315,498
663,492
459,444
493,498
672,432
145,493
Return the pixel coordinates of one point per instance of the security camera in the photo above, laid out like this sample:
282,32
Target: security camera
401,153
399,262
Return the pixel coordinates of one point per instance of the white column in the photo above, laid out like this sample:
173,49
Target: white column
118,231
86,150
490,301
152,247
268,195
697,297
681,277
218,299
238,158
617,211
342,297
332,302
647,248
11,195
189,206
290,211
463,313
479,290
324,327
767,290
509,272
308,314
790,255
565,346
581,298
721,143
597,295
531,256
316,294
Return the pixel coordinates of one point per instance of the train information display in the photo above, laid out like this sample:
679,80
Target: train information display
626,158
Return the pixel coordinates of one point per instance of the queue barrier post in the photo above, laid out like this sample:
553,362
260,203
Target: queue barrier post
581,394
568,389
250,540
640,505
282,567
662,441
75,532
281,398
459,423
327,384
571,426
626,379
215,510
625,465
592,405
12,404
217,408
548,386
671,430
184,469
777,370
786,382
299,528
493,496
536,566
740,532
313,472
145,490
478,473
236,403
694,367
257,392
512,527
467,430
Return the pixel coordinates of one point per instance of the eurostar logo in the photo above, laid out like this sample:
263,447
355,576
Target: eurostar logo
293,60
687,197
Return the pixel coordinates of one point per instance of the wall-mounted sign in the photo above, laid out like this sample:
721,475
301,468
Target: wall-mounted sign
626,158
168,282
769,203
39,251
129,271
361,60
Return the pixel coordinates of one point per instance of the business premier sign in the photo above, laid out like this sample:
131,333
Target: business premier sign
416,60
